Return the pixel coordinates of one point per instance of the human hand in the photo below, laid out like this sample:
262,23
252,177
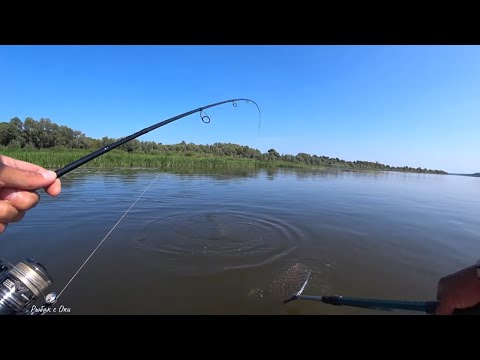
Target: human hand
459,290
18,182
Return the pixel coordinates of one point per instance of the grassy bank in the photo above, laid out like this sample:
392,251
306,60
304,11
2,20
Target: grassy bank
115,159
55,159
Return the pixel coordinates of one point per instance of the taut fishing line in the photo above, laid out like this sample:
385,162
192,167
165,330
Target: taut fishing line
114,226
22,284
205,119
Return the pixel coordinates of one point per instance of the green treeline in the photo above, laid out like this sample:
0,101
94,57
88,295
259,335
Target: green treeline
24,139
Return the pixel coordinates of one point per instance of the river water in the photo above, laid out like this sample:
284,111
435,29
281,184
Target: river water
242,242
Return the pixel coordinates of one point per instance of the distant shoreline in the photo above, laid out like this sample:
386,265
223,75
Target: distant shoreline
51,145
471,175
58,158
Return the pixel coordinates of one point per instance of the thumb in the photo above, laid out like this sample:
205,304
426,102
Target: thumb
24,179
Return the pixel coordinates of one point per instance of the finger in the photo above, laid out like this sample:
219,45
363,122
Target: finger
55,188
3,227
20,165
20,199
9,213
25,179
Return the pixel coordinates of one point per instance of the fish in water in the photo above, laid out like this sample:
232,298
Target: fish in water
290,281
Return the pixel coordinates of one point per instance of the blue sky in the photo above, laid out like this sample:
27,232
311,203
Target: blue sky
399,105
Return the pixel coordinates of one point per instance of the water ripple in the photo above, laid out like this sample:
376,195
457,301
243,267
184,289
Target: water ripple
218,241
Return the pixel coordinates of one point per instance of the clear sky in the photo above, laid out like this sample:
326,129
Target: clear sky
398,105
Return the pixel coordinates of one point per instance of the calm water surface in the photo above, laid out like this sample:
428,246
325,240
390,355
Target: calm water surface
223,243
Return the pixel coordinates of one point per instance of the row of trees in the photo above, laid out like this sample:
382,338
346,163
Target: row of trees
43,134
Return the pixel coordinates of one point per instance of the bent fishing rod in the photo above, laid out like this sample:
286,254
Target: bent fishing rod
24,284
205,118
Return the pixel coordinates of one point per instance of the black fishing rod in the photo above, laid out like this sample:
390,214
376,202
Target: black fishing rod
205,118
21,285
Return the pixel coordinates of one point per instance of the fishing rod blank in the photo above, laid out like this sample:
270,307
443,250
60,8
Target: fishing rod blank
205,118
428,307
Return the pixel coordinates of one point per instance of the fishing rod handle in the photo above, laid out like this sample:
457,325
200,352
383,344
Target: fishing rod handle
431,306
428,307
377,304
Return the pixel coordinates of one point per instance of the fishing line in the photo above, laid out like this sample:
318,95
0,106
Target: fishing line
60,172
113,228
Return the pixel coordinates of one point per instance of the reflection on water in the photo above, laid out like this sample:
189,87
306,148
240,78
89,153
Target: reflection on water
214,243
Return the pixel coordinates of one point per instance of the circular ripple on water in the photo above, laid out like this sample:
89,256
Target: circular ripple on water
217,241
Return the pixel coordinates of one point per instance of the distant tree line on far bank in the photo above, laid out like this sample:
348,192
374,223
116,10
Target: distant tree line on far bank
44,134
